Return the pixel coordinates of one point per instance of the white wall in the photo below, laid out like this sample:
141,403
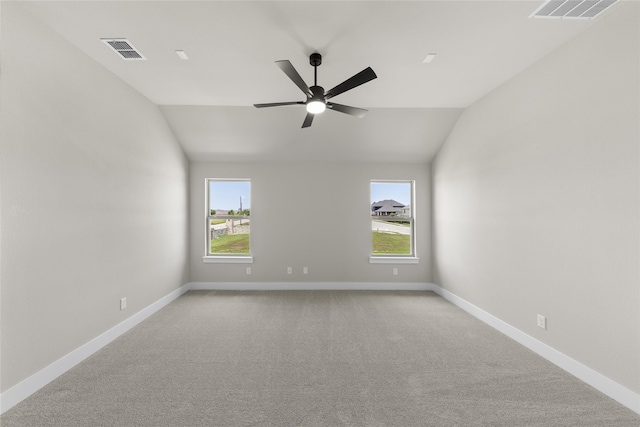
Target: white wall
536,196
314,215
94,199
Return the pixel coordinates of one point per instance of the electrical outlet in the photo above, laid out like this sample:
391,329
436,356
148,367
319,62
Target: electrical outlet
123,303
542,321
305,270
289,270
248,270
395,271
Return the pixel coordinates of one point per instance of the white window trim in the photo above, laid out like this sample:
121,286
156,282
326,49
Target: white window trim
210,258
411,258
398,259
227,259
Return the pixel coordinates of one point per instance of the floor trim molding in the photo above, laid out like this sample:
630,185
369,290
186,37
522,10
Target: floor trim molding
616,391
24,389
309,286
27,387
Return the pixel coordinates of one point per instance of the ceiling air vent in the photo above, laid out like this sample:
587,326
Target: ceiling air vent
576,9
124,49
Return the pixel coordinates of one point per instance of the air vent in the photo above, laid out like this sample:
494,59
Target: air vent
124,49
575,9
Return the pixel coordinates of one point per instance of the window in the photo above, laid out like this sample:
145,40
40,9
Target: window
228,220
392,221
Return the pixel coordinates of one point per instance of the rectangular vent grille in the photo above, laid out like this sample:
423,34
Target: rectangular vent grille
124,49
575,9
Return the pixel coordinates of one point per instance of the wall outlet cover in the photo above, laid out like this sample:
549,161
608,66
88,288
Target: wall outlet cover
542,321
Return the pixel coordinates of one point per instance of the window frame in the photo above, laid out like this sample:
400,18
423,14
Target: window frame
411,257
227,258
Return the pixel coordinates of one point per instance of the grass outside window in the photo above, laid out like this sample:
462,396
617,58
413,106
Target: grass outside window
390,243
232,244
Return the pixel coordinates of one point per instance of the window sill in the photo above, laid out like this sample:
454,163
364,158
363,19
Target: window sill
211,259
393,260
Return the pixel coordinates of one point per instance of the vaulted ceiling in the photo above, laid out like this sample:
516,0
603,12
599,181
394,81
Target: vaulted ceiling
232,45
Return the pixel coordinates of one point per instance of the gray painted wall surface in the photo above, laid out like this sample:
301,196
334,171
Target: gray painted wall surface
94,199
536,203
313,215
536,196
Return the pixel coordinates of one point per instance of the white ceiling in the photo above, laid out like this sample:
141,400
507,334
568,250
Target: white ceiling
232,46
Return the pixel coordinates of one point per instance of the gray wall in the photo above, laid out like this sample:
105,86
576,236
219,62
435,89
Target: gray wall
94,199
314,215
536,196
535,203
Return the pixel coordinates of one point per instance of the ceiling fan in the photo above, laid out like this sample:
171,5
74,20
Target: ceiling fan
317,98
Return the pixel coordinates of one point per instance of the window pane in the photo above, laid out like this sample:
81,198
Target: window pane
229,199
390,238
391,218
391,199
230,237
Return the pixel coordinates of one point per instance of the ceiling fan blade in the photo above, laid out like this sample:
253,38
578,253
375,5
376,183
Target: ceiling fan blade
308,120
291,72
278,104
361,78
353,111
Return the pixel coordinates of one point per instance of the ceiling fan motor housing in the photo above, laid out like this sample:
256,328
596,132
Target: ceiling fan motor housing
318,92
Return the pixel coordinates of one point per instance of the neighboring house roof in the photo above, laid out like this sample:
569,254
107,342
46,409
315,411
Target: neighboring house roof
387,206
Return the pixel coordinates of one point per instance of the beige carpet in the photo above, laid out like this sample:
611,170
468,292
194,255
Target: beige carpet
316,358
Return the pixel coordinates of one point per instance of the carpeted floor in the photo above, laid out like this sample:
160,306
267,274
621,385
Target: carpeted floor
316,358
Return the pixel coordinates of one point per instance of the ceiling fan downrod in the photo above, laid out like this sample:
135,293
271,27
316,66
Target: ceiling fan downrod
315,59
317,103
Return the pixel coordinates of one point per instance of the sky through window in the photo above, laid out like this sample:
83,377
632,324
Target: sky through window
225,195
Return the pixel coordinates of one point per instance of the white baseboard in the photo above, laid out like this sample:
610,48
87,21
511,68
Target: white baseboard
27,387
24,389
308,286
623,395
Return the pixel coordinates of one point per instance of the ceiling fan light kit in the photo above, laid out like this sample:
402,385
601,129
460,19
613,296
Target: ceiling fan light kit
316,102
316,107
